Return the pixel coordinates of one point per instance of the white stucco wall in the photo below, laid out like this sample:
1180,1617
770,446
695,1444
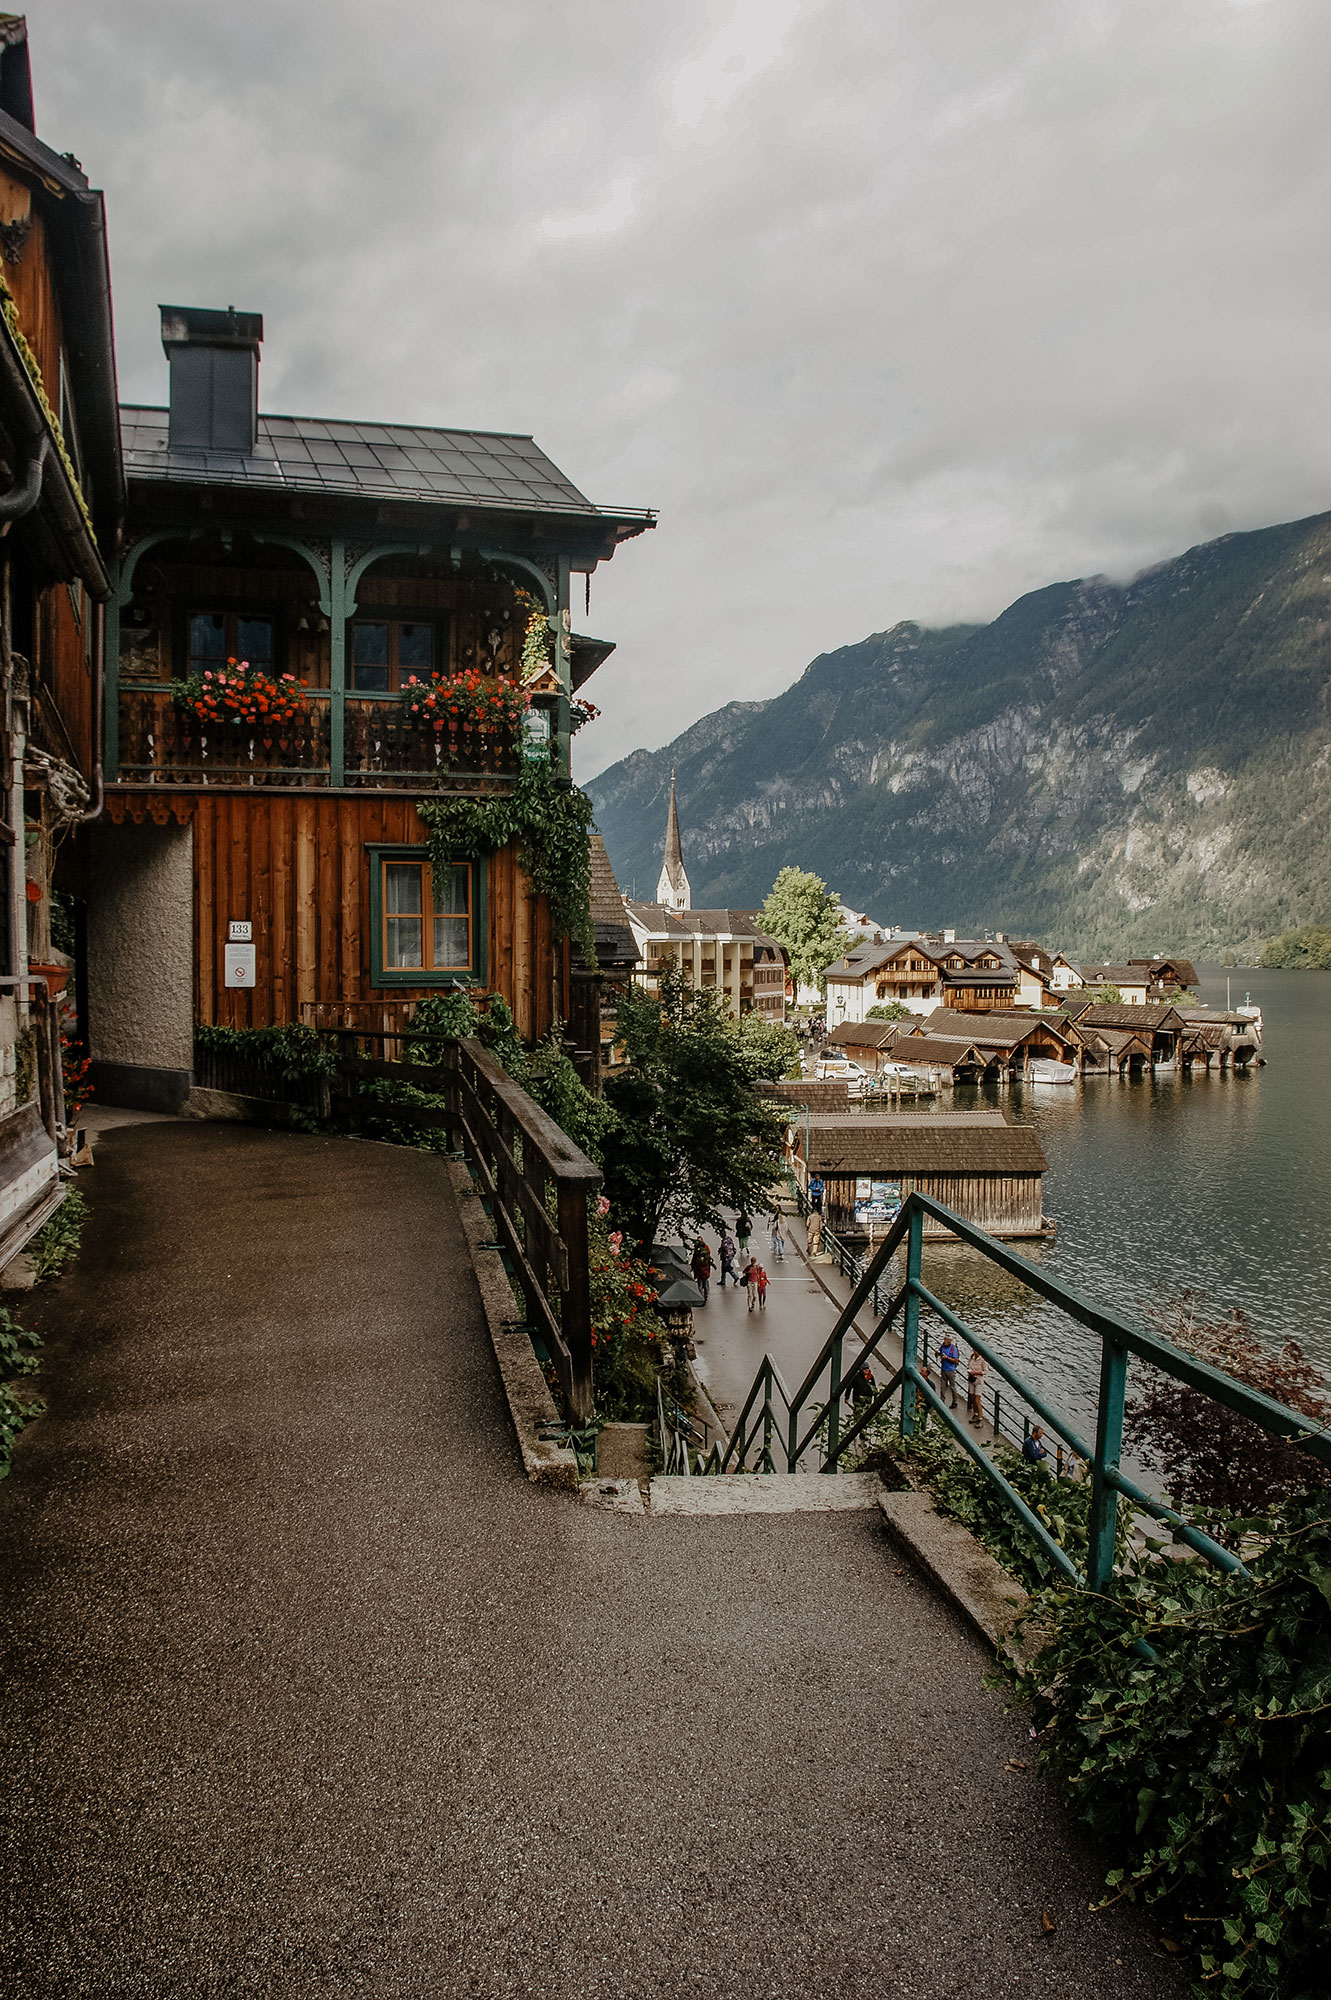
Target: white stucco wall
141,946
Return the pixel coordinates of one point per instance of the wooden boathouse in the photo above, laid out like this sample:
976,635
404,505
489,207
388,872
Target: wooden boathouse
989,1171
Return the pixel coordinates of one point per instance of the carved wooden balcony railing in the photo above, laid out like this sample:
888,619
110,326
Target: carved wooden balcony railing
166,745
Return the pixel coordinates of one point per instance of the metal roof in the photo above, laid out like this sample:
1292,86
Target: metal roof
490,469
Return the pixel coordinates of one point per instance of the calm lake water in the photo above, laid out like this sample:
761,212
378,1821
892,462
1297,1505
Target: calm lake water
1212,1183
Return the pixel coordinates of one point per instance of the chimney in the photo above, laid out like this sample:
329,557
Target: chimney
214,359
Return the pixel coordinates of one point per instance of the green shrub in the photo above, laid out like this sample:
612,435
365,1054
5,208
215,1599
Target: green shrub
57,1241
18,1360
1205,1772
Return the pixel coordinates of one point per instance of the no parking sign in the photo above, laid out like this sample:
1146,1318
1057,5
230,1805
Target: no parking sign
239,961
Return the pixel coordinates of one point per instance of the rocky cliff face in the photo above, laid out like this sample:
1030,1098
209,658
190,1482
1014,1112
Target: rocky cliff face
1139,766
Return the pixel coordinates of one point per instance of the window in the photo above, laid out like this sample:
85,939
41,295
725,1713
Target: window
427,924
218,636
385,652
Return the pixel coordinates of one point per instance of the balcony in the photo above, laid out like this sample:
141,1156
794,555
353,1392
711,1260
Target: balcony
164,745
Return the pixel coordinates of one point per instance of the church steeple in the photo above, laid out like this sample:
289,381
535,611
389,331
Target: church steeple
673,887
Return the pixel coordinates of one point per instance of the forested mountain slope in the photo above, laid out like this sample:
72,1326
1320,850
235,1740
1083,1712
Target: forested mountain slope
1111,766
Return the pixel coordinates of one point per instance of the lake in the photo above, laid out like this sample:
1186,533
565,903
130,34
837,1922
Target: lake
1216,1184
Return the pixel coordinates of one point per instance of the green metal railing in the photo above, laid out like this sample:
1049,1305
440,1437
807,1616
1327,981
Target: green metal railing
776,1429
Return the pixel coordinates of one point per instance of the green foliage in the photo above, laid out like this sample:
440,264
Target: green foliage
57,1241
690,1136
292,1051
801,914
25,1066
552,1081
550,820
1205,1773
630,1340
1307,949
961,1489
889,1010
1109,996
18,1360
770,1050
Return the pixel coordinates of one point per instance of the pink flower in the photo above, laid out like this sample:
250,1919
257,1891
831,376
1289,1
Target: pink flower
602,1205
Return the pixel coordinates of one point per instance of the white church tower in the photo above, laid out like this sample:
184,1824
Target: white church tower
673,888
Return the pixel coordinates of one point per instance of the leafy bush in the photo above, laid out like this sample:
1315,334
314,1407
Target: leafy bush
1209,1457
889,1010
57,1241
1205,1772
292,1050
18,1359
770,1050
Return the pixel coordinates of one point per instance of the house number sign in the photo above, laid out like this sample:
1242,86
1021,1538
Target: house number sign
239,962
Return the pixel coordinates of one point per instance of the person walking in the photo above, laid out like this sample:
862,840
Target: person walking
976,1370
949,1359
778,1238
743,1230
816,1194
727,1259
863,1388
814,1232
751,1281
702,1267
761,1279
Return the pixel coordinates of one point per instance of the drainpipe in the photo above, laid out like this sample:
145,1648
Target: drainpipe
24,494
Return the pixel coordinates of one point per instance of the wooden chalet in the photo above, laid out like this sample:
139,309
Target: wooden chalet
60,502
253,871
976,1163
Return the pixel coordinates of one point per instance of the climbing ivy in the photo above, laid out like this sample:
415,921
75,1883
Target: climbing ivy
551,824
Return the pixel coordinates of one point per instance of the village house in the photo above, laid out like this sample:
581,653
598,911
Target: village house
715,948
986,1170
963,973
61,496
1007,1042
401,597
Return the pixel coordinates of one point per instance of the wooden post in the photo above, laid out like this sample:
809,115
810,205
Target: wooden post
576,1313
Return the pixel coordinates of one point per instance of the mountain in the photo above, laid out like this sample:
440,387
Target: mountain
1141,766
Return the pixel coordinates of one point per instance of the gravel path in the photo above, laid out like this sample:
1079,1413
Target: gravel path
309,1693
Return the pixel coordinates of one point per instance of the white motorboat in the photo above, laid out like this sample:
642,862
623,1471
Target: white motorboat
1044,1070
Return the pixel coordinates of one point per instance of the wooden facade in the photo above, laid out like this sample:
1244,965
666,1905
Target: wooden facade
296,867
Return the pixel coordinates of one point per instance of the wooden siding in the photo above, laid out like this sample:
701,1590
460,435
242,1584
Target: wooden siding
32,284
1007,1205
297,868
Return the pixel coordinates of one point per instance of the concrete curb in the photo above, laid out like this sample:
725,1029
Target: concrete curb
954,1560
530,1404
766,1493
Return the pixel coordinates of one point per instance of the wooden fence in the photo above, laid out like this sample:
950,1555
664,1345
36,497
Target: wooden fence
535,1180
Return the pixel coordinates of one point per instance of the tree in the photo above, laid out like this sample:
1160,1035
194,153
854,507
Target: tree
889,1010
801,914
690,1135
770,1049
1208,1456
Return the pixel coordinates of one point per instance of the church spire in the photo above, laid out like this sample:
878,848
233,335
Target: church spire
673,887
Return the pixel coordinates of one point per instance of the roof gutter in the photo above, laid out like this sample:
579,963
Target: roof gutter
33,431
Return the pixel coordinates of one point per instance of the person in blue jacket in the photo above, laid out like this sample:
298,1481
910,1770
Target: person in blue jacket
1034,1449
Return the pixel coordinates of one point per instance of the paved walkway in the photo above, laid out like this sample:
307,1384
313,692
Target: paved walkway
310,1694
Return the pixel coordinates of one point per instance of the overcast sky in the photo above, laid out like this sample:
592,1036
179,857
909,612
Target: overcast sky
894,308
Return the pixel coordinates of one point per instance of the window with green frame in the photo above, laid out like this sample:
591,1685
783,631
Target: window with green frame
427,924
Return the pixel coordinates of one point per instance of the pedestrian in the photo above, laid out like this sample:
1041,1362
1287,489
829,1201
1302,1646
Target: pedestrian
949,1359
727,1259
814,1233
778,1237
1035,1450
751,1281
762,1286
816,1194
744,1230
702,1267
863,1387
976,1370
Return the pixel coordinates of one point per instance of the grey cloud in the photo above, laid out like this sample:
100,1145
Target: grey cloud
894,310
